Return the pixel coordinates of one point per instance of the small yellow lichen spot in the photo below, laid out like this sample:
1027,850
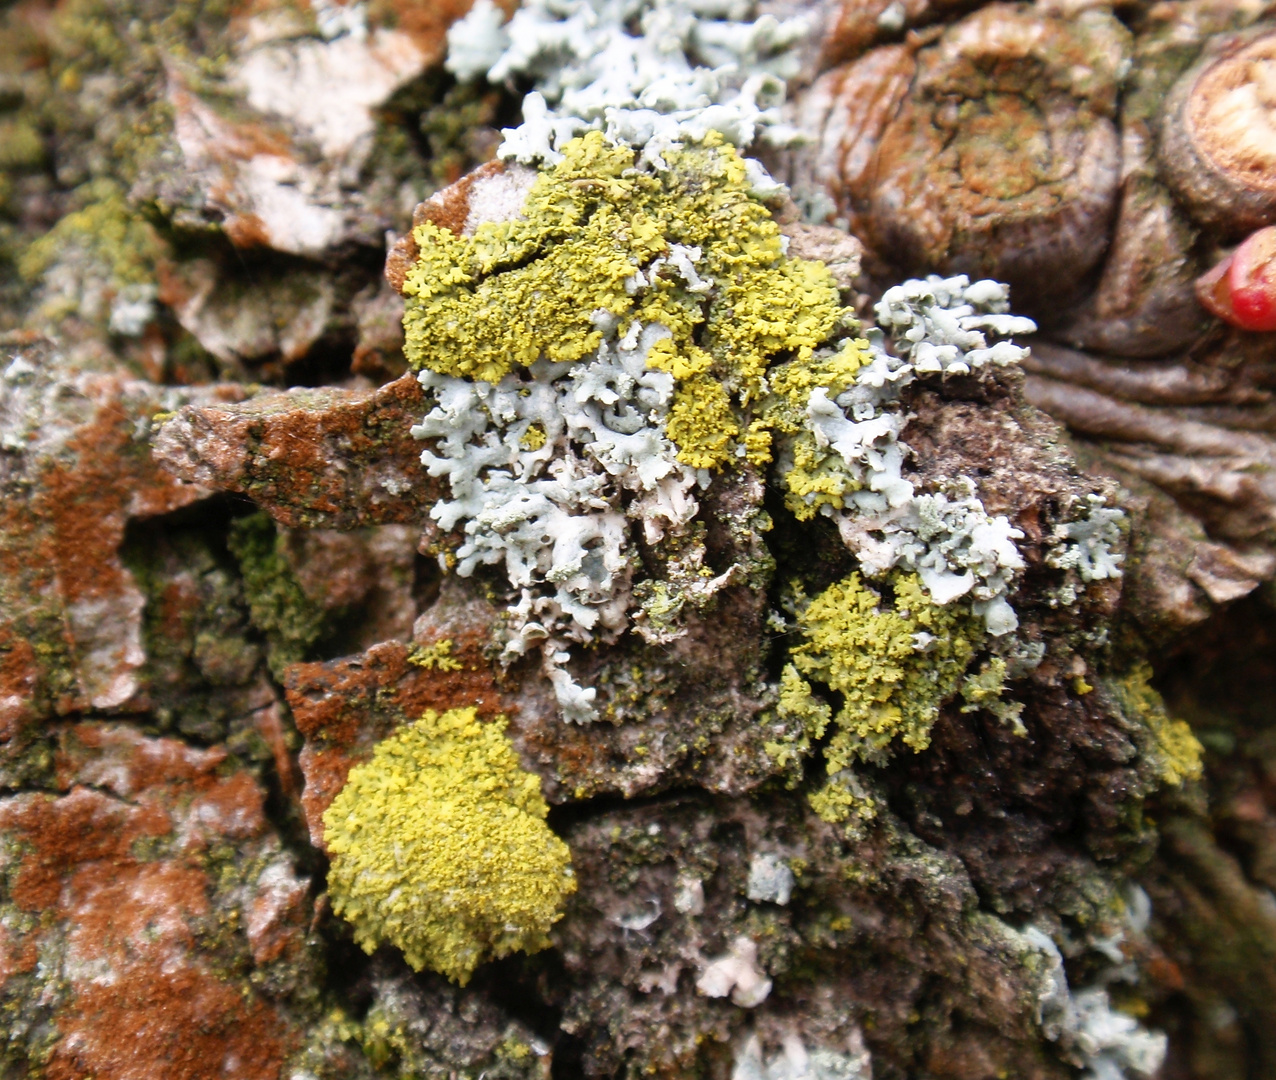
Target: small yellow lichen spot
985,691
106,229
439,846
436,657
534,437
1176,750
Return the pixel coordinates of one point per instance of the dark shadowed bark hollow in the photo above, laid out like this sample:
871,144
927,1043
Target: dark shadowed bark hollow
223,588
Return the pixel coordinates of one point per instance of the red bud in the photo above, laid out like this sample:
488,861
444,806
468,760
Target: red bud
1241,289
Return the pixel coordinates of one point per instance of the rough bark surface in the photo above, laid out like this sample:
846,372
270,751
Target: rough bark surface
221,587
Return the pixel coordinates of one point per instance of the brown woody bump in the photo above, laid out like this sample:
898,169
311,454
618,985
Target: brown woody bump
1218,142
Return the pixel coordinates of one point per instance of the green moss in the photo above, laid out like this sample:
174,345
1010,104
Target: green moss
277,604
1176,751
889,680
517,291
450,126
439,846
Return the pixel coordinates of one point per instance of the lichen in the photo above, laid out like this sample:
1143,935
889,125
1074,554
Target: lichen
435,657
596,236
98,262
985,691
1088,544
1176,750
843,454
890,662
599,354
593,361
1108,1044
652,75
842,800
439,846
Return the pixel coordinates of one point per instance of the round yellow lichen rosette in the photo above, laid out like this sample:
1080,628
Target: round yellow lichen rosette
439,846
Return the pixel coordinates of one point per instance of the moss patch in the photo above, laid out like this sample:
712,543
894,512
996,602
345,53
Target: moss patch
291,621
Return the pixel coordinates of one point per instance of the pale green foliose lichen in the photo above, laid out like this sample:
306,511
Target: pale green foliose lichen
850,467
439,846
1087,543
1106,1043
652,74
596,358
593,361
599,350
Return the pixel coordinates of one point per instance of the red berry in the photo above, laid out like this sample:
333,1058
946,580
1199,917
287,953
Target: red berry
1251,280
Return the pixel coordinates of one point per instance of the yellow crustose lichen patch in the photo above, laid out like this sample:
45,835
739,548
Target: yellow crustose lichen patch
439,846
891,666
1175,749
817,476
530,288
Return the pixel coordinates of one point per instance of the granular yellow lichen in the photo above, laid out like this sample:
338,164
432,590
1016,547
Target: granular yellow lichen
817,475
841,799
985,691
533,288
435,657
806,719
1176,750
890,665
439,846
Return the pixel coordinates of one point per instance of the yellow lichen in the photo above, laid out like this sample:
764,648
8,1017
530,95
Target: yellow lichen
841,799
985,692
439,846
435,657
818,475
530,288
806,719
106,230
534,437
1176,750
891,665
